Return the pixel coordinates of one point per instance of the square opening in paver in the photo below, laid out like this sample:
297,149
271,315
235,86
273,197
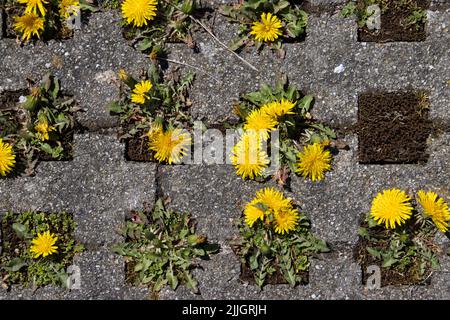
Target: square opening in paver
154,112
393,20
36,124
393,127
162,248
37,248
275,243
397,237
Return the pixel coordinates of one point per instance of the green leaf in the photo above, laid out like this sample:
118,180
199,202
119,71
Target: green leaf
120,249
372,223
348,10
199,252
85,6
321,246
158,210
238,43
138,267
302,263
254,97
388,261
191,283
47,82
363,233
159,283
56,87
20,230
171,278
187,7
288,269
435,263
374,252
261,274
305,103
15,265
153,73
115,107
46,148
63,277
266,92
254,261
144,44
280,6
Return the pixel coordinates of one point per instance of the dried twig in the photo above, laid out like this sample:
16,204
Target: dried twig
223,44
215,38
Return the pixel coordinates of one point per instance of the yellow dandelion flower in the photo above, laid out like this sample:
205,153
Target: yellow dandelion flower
268,29
273,199
278,109
253,211
43,129
34,5
155,130
260,123
68,8
248,158
44,244
391,207
122,74
435,208
313,161
139,94
286,220
29,24
170,146
7,158
139,12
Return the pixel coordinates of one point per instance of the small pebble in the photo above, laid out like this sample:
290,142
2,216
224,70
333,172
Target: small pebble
340,68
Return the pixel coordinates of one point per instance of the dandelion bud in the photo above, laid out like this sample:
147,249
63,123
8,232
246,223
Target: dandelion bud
187,7
194,240
32,100
265,249
125,78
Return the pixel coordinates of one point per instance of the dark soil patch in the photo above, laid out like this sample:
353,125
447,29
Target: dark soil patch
393,23
9,99
9,236
393,127
247,275
136,148
2,22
